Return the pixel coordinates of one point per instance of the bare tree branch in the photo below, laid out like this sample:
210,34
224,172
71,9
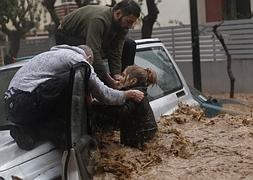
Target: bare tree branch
149,19
113,2
81,3
49,4
229,61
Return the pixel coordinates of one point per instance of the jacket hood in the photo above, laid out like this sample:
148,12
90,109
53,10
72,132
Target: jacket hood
72,48
76,49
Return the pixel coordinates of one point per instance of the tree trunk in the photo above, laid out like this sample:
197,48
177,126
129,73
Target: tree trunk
49,4
81,3
14,44
149,20
229,61
113,2
55,18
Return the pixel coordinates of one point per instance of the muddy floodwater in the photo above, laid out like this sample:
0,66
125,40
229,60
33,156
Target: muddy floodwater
188,145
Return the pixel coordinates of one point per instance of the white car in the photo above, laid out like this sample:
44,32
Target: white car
171,87
45,161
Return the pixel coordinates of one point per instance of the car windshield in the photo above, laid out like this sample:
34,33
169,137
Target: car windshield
157,59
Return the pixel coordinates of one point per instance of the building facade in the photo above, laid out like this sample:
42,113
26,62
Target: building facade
218,10
64,7
178,12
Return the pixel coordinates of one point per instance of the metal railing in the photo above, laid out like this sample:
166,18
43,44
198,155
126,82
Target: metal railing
238,35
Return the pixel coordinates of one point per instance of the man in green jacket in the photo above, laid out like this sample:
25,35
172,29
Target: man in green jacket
104,29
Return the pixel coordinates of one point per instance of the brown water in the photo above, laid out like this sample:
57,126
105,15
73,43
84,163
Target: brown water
187,146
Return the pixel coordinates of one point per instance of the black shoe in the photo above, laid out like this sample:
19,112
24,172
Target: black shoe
22,138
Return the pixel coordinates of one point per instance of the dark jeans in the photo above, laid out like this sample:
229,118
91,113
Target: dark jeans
128,52
42,110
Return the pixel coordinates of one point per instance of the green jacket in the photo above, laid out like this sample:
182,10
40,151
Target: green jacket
95,25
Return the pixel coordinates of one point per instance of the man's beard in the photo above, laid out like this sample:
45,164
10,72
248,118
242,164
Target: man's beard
117,27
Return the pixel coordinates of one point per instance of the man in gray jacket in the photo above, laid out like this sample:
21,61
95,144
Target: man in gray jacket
35,95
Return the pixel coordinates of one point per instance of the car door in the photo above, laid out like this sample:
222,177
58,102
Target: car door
78,158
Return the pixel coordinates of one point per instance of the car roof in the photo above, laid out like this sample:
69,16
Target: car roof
13,65
147,41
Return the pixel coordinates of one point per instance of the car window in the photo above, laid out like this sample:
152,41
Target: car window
78,109
157,59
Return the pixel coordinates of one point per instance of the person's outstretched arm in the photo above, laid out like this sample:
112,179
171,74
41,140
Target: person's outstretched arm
111,96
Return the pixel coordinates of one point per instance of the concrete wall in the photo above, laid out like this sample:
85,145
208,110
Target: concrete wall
215,78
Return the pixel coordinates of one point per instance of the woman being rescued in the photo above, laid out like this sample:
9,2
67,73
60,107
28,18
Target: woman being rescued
136,120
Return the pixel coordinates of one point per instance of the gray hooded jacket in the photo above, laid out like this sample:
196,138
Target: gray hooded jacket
59,60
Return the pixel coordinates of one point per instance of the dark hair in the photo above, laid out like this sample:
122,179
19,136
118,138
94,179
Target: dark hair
128,7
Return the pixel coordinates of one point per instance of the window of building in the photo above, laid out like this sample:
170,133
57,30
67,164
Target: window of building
217,10
237,9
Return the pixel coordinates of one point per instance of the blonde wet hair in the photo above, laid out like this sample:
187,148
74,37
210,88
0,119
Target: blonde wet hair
145,76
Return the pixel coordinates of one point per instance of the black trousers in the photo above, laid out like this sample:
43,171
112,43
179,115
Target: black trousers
41,112
128,53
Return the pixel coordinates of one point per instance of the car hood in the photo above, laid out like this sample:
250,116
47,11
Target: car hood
43,160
